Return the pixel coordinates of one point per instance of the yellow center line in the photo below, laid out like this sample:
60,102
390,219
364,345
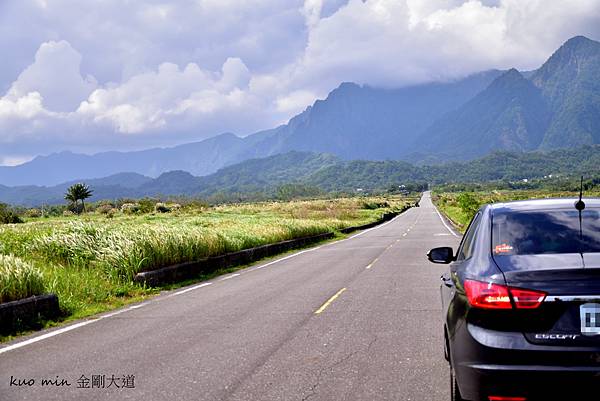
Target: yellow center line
329,301
372,263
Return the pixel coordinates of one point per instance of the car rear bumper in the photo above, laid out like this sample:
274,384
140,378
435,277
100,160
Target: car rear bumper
534,382
495,363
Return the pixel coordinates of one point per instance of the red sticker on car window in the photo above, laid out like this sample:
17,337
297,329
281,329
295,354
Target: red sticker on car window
503,248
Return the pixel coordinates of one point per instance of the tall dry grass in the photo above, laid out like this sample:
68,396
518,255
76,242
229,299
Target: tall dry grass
18,279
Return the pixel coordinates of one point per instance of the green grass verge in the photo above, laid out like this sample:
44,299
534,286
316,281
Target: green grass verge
460,207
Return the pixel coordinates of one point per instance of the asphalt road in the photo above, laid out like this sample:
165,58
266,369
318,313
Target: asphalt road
274,331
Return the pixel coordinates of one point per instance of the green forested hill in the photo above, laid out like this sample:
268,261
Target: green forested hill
570,81
498,166
510,114
311,173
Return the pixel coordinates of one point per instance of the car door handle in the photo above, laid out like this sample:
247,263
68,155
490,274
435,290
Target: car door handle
447,281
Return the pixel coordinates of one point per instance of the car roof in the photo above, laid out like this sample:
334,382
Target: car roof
543,204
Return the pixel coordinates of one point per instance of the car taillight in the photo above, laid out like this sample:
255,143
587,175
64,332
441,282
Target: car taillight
527,299
497,296
487,295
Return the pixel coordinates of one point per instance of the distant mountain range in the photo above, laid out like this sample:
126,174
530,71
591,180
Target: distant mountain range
321,171
354,122
555,106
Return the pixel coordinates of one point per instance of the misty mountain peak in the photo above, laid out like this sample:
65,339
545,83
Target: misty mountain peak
513,73
345,90
347,86
510,80
574,50
578,44
569,61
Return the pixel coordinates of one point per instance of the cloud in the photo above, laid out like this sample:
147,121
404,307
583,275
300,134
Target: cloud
312,11
119,39
163,105
235,74
22,108
162,98
14,160
396,43
55,76
295,101
159,73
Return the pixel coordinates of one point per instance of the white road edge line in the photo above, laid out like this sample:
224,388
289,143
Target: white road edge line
320,246
138,306
284,258
189,289
444,222
47,335
371,229
86,322
229,277
67,329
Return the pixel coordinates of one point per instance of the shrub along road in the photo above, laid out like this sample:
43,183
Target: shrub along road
357,319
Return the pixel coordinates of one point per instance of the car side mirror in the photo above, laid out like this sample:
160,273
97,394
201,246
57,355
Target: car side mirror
443,255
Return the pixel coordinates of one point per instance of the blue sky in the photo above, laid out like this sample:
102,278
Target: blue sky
94,75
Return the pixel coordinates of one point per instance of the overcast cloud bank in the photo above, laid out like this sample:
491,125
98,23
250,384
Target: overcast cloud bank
104,75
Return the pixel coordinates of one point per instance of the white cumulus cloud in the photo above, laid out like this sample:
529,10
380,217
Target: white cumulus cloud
25,107
151,100
55,76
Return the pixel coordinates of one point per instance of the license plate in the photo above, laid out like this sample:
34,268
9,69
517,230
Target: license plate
590,319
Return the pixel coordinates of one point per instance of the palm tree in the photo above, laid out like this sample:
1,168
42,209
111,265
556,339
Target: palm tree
78,192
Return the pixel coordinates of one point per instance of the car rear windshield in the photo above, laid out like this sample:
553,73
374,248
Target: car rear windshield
545,232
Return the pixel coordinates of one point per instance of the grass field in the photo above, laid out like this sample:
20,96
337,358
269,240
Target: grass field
89,261
460,207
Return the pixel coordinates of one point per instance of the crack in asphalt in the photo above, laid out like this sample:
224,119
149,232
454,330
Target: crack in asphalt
313,389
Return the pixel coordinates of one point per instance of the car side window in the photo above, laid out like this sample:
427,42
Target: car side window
465,251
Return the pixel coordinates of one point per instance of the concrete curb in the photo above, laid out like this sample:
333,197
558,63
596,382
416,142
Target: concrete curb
26,312
385,217
188,270
183,271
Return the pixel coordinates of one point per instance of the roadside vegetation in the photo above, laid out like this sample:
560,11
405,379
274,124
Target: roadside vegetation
19,279
460,206
89,260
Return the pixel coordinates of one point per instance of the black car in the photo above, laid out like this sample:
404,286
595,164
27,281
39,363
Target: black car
521,302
